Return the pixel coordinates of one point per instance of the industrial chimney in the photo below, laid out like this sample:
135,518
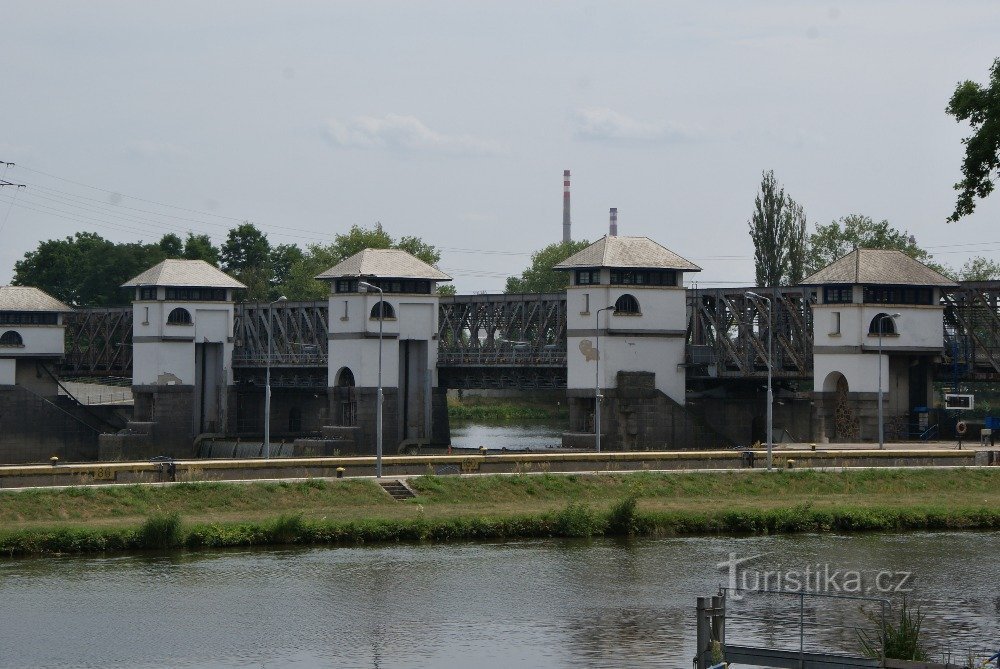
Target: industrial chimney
566,222
613,227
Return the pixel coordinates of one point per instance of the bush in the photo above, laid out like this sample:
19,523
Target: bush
160,531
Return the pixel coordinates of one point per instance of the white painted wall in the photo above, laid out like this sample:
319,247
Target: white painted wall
917,326
662,308
163,363
173,362
8,371
39,341
860,370
350,314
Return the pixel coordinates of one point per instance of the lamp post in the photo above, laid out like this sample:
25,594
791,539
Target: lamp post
597,377
881,427
770,393
267,379
378,397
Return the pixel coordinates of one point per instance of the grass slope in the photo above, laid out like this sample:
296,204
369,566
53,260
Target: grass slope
490,507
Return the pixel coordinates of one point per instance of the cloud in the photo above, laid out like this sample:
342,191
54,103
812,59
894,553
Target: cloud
606,125
396,132
150,148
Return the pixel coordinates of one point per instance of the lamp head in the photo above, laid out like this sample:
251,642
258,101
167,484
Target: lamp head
365,286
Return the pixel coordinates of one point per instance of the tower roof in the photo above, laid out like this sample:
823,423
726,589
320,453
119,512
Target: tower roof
191,273
627,252
29,298
878,267
384,264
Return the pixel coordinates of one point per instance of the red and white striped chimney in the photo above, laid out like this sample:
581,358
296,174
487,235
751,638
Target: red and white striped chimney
566,222
613,227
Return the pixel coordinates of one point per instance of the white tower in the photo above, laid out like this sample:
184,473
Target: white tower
643,333
182,336
407,310
31,330
870,301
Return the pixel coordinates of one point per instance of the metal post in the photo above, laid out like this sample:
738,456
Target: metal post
267,379
719,620
597,376
703,631
770,392
378,397
881,429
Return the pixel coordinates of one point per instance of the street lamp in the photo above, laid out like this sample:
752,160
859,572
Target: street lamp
378,397
597,376
770,393
267,379
881,428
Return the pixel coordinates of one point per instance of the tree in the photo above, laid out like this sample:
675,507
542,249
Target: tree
797,243
200,247
978,269
299,282
769,230
246,254
980,106
85,270
856,231
171,245
539,277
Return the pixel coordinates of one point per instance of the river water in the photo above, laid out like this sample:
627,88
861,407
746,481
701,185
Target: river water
525,434
547,604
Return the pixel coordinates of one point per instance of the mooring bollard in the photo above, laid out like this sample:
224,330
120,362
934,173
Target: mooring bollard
54,460
789,464
340,472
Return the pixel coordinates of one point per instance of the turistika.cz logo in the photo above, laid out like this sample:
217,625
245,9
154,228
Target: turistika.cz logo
820,577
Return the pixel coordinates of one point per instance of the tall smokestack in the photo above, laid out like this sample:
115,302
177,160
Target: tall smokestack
613,227
566,221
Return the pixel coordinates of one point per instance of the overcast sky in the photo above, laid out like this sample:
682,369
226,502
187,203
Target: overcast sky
453,121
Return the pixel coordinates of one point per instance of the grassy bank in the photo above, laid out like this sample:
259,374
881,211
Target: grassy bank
476,408
494,507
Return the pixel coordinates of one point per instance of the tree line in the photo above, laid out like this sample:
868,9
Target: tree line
86,270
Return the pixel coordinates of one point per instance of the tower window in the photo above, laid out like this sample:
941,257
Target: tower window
627,305
179,316
383,310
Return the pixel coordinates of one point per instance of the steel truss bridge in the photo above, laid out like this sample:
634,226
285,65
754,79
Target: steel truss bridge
519,341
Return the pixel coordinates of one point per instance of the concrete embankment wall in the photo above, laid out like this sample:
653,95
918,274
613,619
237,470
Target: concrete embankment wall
234,470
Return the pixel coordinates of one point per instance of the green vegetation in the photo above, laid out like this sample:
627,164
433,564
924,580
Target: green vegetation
894,641
477,408
539,277
495,507
980,106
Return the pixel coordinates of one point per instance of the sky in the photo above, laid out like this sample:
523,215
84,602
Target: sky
453,121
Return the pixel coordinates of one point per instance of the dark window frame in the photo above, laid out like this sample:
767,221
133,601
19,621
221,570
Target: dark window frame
838,294
627,305
11,339
194,294
29,318
386,311
180,319
644,277
915,295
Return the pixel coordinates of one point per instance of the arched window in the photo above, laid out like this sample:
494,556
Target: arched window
383,310
885,322
626,305
11,339
179,317
345,378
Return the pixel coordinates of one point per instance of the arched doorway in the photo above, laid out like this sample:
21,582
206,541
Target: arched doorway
846,426
346,396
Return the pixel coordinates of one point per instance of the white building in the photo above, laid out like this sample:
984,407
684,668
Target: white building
407,313
866,301
31,332
643,334
182,336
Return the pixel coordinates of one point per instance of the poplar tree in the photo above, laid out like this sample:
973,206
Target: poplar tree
769,230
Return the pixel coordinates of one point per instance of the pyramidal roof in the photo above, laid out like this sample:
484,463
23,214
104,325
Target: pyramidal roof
878,267
627,252
29,298
384,264
191,273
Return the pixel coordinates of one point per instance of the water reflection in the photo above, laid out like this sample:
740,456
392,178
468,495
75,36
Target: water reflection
533,604
529,434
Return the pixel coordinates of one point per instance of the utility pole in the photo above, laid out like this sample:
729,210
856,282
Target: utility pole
17,187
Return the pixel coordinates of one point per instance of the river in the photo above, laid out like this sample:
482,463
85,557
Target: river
546,604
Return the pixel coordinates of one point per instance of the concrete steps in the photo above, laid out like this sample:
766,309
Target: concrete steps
397,490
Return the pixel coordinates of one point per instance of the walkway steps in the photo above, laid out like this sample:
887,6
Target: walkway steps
397,490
